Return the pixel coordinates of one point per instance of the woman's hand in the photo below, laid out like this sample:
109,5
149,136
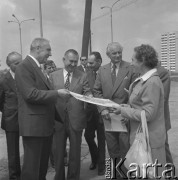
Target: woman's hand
105,114
116,109
124,121
125,105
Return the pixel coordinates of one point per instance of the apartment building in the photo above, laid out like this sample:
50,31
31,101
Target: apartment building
169,51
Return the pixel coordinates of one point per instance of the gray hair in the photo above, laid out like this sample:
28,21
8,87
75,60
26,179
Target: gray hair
38,42
111,45
73,51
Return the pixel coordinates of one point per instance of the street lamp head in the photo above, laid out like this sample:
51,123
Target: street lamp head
13,15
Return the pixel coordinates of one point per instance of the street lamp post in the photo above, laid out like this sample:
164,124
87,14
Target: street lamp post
110,8
19,24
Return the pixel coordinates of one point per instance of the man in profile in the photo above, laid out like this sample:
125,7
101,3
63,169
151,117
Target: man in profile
9,109
94,120
36,110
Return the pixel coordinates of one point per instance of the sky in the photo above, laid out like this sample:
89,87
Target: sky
134,22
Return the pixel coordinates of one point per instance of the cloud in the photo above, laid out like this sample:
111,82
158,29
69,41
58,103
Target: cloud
75,9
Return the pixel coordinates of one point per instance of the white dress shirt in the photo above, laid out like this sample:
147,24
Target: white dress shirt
12,74
65,76
36,61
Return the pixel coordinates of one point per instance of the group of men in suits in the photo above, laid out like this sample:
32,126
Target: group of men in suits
46,103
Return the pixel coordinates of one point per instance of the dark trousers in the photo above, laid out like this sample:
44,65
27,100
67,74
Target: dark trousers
118,146
95,124
36,156
167,150
63,132
13,155
51,156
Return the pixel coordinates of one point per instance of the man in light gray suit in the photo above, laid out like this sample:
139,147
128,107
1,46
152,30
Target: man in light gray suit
112,82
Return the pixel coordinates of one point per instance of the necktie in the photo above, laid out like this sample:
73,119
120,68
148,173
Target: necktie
47,78
113,73
45,74
94,72
67,83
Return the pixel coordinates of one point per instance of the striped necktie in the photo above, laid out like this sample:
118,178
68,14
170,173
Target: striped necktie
113,73
67,83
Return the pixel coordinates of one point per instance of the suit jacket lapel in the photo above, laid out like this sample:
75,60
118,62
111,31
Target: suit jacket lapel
120,76
75,79
61,79
11,82
38,70
108,75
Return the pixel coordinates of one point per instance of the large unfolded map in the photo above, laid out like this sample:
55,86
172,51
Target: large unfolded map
115,123
92,100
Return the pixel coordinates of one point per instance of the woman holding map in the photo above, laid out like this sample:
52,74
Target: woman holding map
146,93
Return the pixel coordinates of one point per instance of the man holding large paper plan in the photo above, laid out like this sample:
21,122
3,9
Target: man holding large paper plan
112,82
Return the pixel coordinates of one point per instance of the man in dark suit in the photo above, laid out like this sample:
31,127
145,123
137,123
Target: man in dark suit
9,122
72,113
165,78
36,110
95,122
112,82
83,64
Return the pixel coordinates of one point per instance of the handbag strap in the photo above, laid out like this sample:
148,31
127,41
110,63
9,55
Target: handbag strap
139,129
145,128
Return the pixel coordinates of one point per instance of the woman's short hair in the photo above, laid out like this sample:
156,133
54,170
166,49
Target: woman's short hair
147,54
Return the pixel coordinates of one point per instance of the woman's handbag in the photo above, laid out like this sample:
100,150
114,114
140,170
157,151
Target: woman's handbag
139,158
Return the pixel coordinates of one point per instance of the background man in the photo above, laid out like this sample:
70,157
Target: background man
111,80
72,113
95,122
9,109
36,110
83,64
165,78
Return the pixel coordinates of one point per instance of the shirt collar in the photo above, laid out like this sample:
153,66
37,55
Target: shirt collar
83,67
117,65
12,74
147,75
66,72
38,64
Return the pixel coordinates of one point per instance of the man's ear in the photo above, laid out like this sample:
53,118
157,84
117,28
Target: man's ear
38,49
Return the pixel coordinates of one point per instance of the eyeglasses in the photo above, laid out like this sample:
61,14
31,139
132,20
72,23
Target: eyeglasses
83,59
